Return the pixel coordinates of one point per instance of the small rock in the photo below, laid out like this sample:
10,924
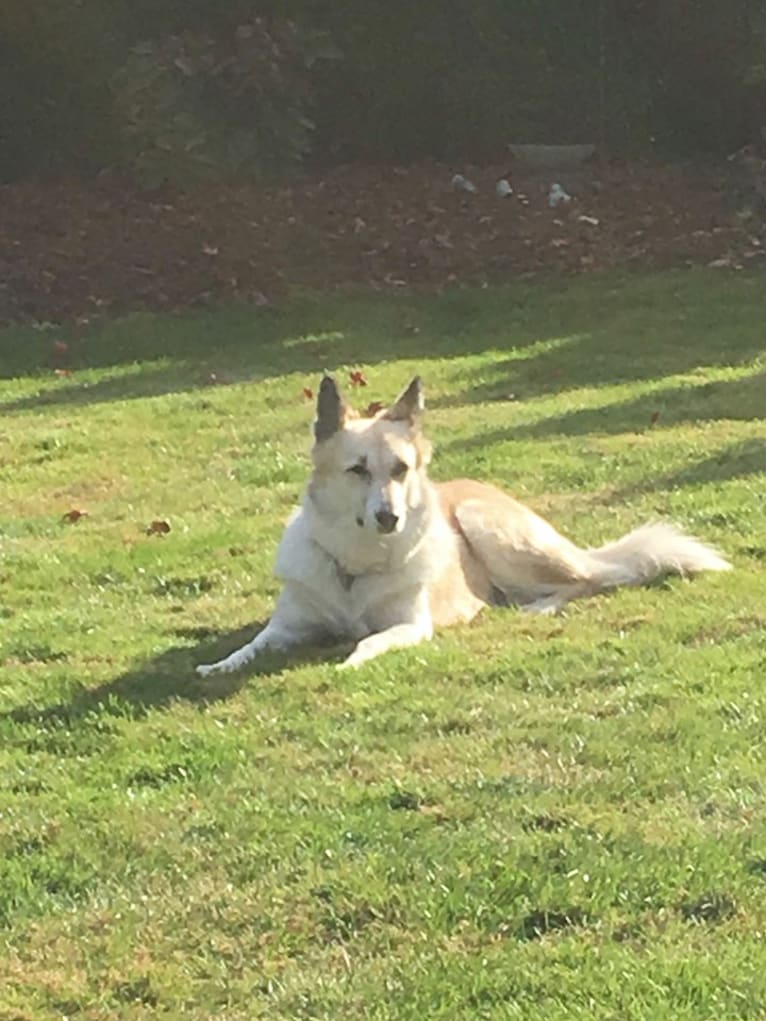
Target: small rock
460,183
557,195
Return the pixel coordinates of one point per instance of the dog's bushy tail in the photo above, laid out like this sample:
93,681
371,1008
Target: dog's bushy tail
650,552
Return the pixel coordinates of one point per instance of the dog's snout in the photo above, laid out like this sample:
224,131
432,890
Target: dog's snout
386,520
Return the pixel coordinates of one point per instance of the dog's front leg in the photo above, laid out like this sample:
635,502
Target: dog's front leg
290,625
417,627
397,637
272,637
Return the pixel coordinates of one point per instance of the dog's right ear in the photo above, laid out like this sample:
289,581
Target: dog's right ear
409,405
331,410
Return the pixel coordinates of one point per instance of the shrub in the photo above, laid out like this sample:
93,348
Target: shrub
198,104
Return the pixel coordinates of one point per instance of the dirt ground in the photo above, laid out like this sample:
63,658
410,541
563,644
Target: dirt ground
80,250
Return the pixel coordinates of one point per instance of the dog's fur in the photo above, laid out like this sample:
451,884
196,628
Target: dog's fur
379,553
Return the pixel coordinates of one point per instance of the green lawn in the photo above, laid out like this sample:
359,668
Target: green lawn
543,819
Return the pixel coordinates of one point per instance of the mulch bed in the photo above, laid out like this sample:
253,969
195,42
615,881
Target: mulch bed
75,251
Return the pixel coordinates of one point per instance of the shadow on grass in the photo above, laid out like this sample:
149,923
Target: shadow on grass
235,344
737,461
170,677
602,331
739,400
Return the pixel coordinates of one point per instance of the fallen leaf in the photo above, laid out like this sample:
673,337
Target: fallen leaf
357,378
62,372
308,393
158,528
373,409
74,515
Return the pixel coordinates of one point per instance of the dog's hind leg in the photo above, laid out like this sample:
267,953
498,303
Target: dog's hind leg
526,559
532,565
555,602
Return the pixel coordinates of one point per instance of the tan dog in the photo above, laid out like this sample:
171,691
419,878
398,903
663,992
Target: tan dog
379,553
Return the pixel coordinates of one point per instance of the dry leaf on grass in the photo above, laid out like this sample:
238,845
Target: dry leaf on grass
158,527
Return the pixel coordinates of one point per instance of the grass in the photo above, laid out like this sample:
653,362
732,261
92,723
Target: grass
527,818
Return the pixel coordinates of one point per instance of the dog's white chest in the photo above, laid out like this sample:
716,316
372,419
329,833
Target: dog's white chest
341,601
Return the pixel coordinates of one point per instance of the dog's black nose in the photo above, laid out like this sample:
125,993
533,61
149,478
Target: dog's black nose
386,521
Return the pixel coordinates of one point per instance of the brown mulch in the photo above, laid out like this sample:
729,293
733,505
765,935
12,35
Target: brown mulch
76,251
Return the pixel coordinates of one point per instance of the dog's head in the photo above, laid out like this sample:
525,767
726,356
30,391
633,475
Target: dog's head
369,472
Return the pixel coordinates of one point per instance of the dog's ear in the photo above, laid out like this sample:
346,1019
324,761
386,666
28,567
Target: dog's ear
409,404
331,410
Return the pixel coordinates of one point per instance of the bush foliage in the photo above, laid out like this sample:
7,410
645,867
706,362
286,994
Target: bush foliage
186,87
196,104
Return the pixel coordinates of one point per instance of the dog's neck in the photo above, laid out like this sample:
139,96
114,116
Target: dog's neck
346,580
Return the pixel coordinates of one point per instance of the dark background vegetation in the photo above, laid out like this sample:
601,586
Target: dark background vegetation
176,89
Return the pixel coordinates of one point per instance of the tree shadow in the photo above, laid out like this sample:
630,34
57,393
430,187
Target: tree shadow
737,461
739,400
170,677
595,358
154,355
605,332
591,332
150,381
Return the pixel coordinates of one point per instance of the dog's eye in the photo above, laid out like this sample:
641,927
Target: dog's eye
399,470
360,470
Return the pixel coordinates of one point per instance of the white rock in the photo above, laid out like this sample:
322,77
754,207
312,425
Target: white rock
460,183
557,195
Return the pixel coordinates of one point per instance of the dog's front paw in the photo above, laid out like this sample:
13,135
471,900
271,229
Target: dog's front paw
346,664
352,661
223,667
548,606
228,665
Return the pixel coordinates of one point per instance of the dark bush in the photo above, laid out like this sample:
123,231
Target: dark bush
55,60
437,78
195,104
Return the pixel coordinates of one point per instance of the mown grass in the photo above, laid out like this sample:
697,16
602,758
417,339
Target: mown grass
527,818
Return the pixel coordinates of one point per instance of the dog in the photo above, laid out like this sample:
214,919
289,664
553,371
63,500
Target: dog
380,554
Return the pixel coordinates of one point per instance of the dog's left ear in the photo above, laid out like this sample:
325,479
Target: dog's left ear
409,405
331,410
